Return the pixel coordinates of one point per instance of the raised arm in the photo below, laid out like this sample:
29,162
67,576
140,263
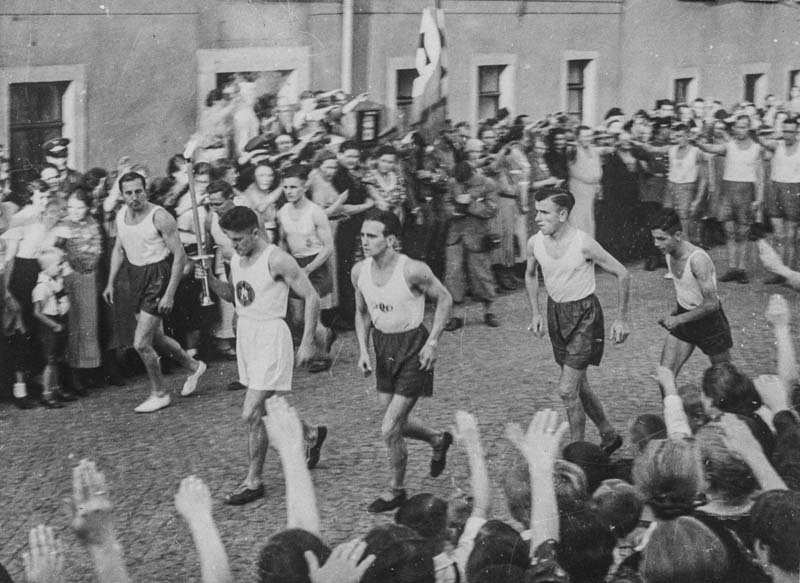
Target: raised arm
778,316
773,263
540,446
718,149
93,523
166,225
594,252
284,266
420,277
193,502
285,431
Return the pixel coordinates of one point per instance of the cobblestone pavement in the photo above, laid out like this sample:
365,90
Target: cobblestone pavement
501,374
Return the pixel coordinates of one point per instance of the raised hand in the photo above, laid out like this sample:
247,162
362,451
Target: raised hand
284,428
344,565
92,519
778,313
540,443
467,430
44,562
193,499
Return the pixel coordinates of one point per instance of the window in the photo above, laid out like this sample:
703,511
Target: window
489,90
36,115
403,98
576,87
794,78
683,88
754,87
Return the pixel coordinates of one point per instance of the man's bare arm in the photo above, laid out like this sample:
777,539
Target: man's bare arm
703,271
166,225
283,265
419,276
323,228
609,263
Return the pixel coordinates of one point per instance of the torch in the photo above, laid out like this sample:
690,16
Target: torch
201,255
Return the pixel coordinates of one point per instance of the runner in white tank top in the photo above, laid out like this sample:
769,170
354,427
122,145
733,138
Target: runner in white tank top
147,235
390,296
567,257
143,243
698,320
393,307
261,276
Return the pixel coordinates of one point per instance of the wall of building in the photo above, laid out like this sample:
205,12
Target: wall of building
536,40
139,68
720,42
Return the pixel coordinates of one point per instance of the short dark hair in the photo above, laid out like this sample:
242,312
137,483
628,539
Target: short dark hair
401,556
349,145
591,459
202,168
666,220
730,390
425,514
645,428
282,558
130,177
389,220
496,544
386,150
562,197
295,171
586,545
239,219
220,186
775,521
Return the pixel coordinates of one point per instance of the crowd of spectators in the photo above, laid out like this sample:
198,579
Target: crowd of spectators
463,200
715,477
711,495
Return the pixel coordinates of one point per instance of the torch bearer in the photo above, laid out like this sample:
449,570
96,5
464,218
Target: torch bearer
201,255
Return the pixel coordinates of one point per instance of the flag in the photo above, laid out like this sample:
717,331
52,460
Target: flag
429,91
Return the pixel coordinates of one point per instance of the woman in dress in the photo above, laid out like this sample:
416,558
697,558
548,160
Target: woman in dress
83,243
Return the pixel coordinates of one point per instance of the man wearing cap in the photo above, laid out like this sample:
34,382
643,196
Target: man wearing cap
56,152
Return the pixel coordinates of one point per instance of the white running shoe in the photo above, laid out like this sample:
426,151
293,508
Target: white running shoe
190,386
668,275
153,404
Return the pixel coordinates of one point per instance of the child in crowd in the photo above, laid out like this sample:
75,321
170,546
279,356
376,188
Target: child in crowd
50,307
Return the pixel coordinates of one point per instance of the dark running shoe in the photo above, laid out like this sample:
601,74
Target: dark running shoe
453,324
389,500
313,451
236,386
611,445
439,457
244,495
730,275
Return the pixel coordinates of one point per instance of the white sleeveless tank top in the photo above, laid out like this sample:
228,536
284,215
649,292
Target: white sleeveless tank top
301,233
785,167
259,296
393,307
569,277
142,242
687,288
682,170
740,165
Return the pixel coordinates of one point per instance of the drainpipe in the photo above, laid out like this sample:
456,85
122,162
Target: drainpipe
347,46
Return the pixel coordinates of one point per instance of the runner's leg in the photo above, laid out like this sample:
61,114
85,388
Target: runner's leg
252,412
397,410
146,326
594,408
569,390
674,355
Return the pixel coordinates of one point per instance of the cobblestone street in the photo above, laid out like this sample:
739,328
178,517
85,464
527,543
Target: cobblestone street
501,375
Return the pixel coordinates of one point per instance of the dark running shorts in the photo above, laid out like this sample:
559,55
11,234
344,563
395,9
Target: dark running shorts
53,343
148,284
577,331
711,334
397,368
320,278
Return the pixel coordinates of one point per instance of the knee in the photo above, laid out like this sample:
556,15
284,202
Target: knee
391,431
143,346
252,415
568,394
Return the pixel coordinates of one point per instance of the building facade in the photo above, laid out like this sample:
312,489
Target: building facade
128,77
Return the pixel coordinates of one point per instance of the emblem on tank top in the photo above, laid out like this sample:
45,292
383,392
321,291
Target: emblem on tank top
385,308
245,293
